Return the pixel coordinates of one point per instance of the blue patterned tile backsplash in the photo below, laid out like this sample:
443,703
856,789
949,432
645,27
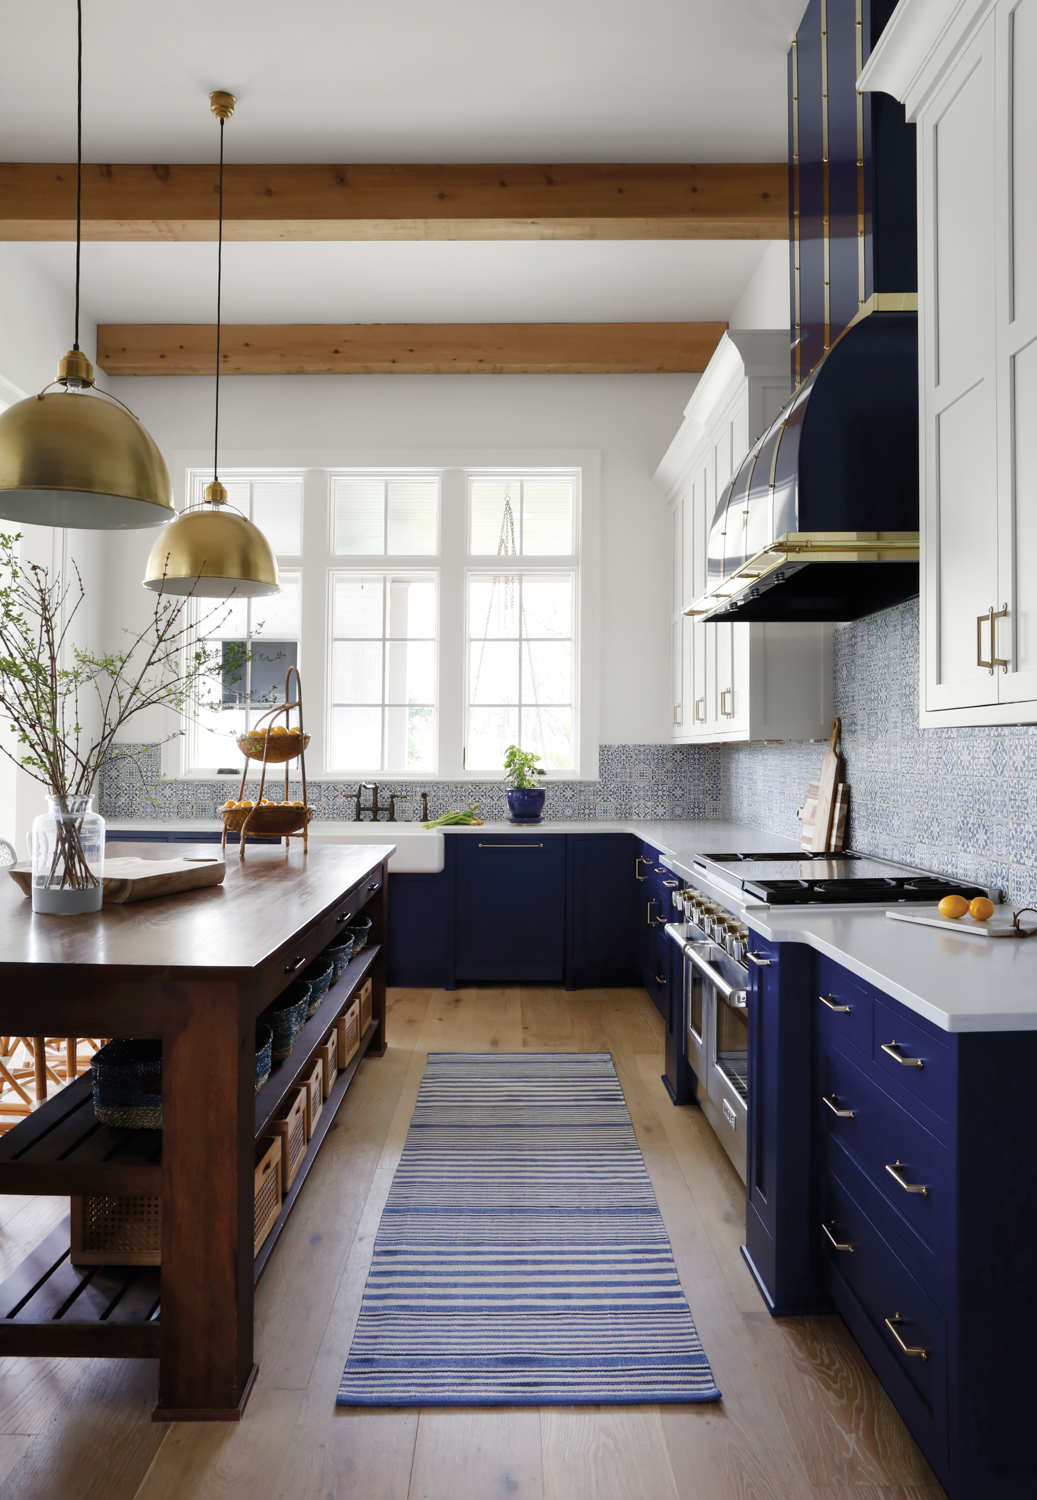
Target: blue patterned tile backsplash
961,802
634,781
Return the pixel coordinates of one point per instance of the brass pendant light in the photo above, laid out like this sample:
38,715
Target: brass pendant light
68,458
212,550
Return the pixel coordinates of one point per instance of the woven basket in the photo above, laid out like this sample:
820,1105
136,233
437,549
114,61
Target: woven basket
277,748
264,1053
318,976
286,1018
266,820
128,1084
340,952
359,931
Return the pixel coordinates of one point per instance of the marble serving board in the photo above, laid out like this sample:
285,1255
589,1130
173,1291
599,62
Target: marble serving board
133,879
997,926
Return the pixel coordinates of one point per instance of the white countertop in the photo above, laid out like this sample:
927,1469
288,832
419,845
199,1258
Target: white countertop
958,983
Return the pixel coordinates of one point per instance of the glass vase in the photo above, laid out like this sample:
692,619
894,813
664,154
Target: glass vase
67,845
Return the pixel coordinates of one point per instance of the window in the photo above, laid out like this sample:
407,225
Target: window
257,639
383,674
436,615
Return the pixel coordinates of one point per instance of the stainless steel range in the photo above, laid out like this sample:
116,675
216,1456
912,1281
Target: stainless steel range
715,944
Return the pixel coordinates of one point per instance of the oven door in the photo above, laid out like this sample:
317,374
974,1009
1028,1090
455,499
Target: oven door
698,998
717,984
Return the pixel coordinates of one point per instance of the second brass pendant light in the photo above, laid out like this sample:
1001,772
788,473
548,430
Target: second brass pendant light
211,550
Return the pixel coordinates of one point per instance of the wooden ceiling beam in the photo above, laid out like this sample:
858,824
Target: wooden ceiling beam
408,348
727,200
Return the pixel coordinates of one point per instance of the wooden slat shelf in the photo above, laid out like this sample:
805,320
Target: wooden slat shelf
283,1075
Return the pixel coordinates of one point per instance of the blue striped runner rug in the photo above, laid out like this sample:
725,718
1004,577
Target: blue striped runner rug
521,1258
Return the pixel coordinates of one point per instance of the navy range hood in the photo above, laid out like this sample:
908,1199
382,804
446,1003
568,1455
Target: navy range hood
820,522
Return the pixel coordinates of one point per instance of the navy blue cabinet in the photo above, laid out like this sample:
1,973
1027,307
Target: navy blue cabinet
421,931
510,908
601,910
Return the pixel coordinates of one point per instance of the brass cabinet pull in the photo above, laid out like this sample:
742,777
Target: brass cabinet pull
700,718
671,885
677,715
844,1114
640,860
761,963
835,1243
648,915
727,713
991,615
509,846
896,1172
915,1350
827,1000
660,979
291,968
892,1049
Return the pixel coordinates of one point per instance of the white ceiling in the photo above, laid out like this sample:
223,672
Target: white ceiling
414,81
411,281
410,81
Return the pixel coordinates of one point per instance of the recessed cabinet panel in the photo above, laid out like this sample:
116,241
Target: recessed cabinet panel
1022,69
1021,680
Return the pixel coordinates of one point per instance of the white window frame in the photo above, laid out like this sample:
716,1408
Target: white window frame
319,467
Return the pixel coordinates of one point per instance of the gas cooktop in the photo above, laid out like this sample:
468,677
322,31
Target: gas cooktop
797,877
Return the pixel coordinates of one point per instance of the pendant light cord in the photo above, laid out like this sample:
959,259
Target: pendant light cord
219,289
79,158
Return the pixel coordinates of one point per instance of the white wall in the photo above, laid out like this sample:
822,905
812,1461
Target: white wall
629,419
36,329
765,301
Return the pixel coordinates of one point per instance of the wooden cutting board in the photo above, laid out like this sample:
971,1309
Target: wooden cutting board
132,879
997,926
826,784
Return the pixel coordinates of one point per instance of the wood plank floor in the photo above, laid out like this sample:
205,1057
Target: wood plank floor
803,1417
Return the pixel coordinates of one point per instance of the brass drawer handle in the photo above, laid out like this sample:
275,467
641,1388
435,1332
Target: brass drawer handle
896,1171
727,713
995,661
671,885
761,963
291,968
640,860
915,1350
892,1049
343,916
507,846
700,718
835,1243
827,1000
660,979
844,1114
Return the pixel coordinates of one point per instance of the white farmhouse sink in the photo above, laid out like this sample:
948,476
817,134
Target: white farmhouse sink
419,850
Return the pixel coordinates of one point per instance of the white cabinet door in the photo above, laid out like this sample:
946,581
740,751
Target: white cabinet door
959,383
1016,95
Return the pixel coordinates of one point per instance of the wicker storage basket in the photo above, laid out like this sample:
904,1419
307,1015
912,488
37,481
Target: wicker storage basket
267,1203
318,976
286,1017
349,1034
340,952
329,1062
275,749
109,1231
313,1087
275,819
366,998
264,1053
291,1128
128,1084
360,931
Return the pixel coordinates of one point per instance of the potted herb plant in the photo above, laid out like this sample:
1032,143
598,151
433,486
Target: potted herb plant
525,798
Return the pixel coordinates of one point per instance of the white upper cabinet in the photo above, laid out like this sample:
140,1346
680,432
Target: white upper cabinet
734,682
966,71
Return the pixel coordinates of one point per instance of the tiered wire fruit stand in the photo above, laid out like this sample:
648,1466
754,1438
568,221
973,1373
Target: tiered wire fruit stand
272,744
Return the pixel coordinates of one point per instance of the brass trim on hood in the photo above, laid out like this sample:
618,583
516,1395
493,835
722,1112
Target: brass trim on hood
800,547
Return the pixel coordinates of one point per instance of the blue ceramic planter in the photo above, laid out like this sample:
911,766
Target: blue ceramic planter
526,804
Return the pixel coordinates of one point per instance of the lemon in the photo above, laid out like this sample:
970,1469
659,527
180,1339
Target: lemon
230,802
953,907
981,908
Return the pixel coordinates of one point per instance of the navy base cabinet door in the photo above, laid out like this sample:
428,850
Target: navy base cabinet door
421,937
601,910
510,909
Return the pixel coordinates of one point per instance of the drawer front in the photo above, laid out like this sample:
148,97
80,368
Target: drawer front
855,1250
844,1008
879,1135
916,1066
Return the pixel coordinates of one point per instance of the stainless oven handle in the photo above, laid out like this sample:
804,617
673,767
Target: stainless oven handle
730,992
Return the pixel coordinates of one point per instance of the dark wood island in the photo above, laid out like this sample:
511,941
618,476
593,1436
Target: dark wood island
194,971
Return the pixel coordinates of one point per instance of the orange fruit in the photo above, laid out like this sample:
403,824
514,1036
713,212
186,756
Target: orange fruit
230,802
279,729
246,803
981,908
953,907
298,804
